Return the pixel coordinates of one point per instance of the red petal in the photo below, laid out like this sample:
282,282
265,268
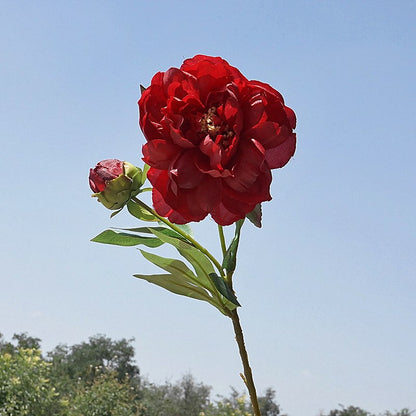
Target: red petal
181,207
163,209
184,171
268,133
222,216
249,165
267,88
105,171
278,156
160,153
213,151
291,116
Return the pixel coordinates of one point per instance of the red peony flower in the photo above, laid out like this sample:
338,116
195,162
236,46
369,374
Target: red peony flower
213,137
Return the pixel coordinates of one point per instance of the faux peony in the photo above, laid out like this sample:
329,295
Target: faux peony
212,140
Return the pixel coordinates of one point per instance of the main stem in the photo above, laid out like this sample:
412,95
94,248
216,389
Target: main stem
248,376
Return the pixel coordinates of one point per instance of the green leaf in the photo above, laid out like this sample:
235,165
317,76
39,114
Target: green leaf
224,289
125,239
255,216
203,268
139,212
178,284
200,262
148,230
172,266
181,281
230,258
186,228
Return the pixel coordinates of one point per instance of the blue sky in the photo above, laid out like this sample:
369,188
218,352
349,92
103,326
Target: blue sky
327,286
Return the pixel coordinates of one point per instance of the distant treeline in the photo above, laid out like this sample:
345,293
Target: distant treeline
100,378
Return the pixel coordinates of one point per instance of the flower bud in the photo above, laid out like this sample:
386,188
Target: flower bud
115,182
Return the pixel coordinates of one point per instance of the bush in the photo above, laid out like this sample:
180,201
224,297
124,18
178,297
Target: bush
25,389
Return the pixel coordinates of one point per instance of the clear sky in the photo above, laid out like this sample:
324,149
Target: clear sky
328,286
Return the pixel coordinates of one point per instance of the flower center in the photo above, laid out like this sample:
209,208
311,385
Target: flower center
213,125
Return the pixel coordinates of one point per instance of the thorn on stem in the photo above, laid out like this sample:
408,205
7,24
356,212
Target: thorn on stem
244,379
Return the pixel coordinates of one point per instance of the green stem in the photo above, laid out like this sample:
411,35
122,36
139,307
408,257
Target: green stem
248,376
222,240
183,234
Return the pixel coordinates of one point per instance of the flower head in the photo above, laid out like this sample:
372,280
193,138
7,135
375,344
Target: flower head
212,137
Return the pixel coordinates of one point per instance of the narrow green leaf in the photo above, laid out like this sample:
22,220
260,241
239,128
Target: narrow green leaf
148,230
255,216
203,268
183,281
230,258
178,284
186,228
173,266
125,239
139,212
145,230
200,262
224,289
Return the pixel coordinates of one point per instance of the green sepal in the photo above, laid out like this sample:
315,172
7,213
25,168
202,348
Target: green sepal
125,239
136,176
116,212
230,258
144,172
224,289
139,212
119,190
255,216
116,193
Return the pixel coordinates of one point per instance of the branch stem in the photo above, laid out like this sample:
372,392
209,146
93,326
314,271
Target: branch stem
222,239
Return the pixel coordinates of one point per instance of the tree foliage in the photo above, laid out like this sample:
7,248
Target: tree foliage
25,389
105,396
186,397
100,378
100,354
22,340
87,361
357,411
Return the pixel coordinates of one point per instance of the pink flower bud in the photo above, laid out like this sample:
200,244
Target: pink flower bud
105,171
115,182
